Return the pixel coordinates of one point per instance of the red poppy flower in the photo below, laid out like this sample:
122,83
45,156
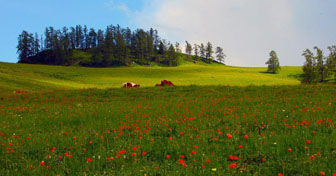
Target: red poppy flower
231,157
88,160
312,157
233,165
181,161
229,136
168,156
42,163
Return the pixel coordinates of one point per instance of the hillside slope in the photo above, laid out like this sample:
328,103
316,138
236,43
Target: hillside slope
36,77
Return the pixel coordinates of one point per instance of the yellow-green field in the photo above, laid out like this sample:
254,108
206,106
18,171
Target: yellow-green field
36,77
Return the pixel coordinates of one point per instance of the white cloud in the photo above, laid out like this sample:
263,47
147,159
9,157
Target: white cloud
116,5
247,30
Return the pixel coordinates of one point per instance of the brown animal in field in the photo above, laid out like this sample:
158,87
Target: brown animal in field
165,83
130,84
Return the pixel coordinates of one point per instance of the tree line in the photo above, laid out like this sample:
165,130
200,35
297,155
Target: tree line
319,68
115,46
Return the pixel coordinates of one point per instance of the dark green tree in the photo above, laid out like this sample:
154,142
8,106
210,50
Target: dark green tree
177,47
208,52
220,55
172,56
188,49
202,51
100,39
309,74
150,48
196,52
331,62
72,37
36,44
92,38
86,38
120,49
320,65
108,49
25,47
273,63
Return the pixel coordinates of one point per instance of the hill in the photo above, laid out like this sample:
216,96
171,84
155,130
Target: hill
35,77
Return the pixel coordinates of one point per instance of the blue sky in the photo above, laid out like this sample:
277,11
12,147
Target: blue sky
35,15
246,29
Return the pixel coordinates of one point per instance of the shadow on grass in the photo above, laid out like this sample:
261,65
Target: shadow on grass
295,76
266,72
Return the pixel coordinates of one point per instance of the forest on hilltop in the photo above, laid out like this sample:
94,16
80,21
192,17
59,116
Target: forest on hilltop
115,46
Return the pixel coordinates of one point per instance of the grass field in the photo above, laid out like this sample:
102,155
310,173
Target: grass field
262,124
36,77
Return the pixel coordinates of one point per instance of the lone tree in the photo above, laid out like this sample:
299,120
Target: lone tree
273,63
220,55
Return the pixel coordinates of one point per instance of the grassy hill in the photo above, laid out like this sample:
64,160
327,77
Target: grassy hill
35,77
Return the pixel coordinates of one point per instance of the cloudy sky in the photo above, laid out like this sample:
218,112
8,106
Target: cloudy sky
247,30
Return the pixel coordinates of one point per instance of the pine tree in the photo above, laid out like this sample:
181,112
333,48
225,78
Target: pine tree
36,44
177,47
188,49
273,63
25,47
108,49
172,56
65,42
100,39
73,38
220,55
161,49
202,51
120,49
196,52
92,38
150,48
208,52
48,39
141,46
79,37
86,38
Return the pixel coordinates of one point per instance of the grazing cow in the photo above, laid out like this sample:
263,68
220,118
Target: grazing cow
165,83
130,84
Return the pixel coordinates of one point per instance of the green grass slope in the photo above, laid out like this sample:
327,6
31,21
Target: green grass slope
35,77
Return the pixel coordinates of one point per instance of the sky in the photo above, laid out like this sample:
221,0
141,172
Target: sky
247,30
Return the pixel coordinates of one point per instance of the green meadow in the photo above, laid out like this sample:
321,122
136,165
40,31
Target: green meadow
218,120
36,77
